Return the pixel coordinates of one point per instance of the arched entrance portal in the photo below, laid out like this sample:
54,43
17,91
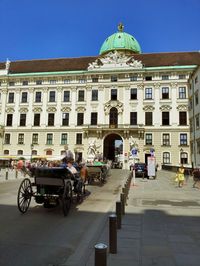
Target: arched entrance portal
113,146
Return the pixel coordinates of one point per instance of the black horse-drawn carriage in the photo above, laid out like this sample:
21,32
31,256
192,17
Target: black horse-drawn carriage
51,186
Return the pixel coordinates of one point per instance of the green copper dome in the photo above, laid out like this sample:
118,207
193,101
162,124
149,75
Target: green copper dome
120,41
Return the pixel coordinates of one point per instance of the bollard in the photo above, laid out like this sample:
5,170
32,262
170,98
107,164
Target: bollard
100,254
7,175
119,214
123,202
124,191
113,234
16,174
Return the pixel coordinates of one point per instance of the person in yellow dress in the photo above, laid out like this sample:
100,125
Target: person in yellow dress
180,176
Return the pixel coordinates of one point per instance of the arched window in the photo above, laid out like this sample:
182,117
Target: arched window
34,152
184,158
113,117
6,152
20,152
166,157
49,152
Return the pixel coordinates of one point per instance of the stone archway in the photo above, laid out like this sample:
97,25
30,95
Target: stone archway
112,145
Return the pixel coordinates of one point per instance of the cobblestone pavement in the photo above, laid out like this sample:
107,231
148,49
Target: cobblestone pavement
161,225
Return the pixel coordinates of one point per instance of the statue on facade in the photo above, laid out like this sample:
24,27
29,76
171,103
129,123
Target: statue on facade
92,149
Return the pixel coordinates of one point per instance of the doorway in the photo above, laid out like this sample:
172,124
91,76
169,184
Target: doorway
113,147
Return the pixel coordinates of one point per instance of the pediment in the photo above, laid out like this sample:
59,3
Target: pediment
115,60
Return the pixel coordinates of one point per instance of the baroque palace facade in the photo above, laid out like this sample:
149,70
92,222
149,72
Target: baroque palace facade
48,106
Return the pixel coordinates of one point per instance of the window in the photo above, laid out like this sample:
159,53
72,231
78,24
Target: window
49,139
51,119
22,122
52,96
80,118
113,94
9,120
52,81
38,96
81,95
94,95
11,97
133,94
113,78
78,138
6,152
66,96
182,93
148,118
148,78
35,138
63,139
182,118
196,80
20,152
148,139
36,120
183,158
65,119
66,81
133,78
165,77
21,138
165,93
93,119
196,98
95,80
165,118
7,139
166,140
39,82
183,139
49,152
34,152
197,121
82,80
182,76
24,97
166,157
11,83
148,93
133,118
25,82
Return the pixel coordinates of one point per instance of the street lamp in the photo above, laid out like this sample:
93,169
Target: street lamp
31,151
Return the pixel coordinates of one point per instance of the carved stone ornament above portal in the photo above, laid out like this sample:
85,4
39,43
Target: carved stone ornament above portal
51,109
165,108
81,109
23,110
66,109
182,107
117,104
10,110
115,59
37,109
148,108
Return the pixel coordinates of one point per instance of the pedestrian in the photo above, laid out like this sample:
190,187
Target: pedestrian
196,177
180,175
187,174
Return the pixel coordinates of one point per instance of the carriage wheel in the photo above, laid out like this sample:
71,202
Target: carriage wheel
66,199
24,195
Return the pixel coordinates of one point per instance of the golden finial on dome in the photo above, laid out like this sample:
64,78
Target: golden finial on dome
120,27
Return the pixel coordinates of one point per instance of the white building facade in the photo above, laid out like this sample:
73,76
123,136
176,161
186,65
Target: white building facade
121,96
194,113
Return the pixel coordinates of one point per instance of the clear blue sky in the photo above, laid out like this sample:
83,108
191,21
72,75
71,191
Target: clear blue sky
34,29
